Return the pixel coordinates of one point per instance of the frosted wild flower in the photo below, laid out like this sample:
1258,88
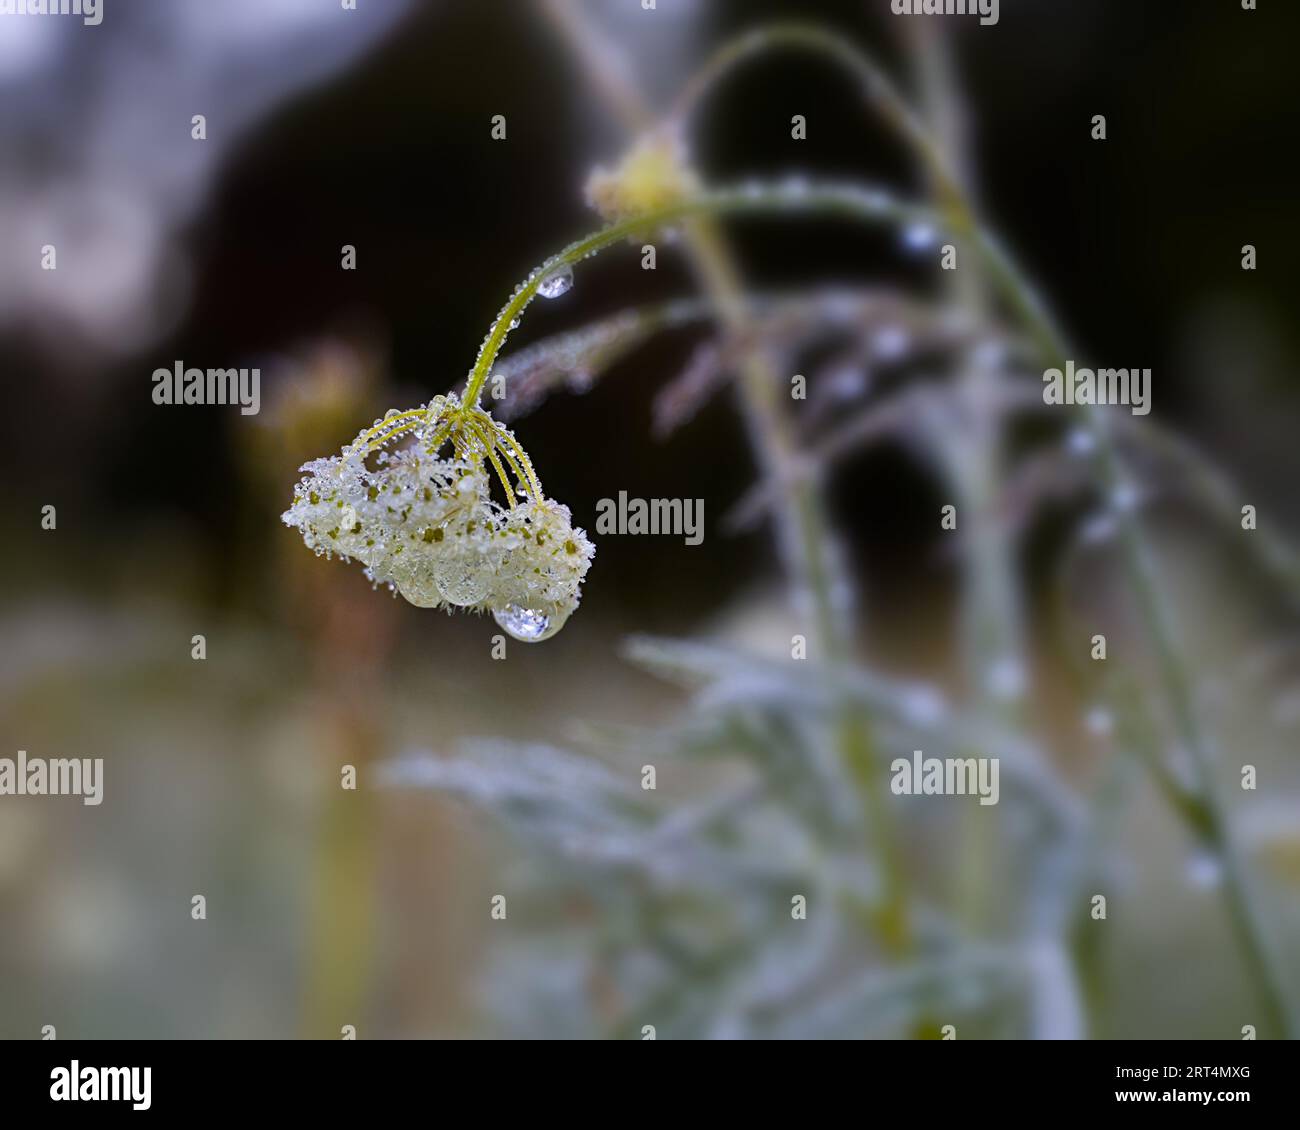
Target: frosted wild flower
425,523
652,176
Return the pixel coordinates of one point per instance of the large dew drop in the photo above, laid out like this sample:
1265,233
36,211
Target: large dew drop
461,582
416,581
526,624
419,596
556,282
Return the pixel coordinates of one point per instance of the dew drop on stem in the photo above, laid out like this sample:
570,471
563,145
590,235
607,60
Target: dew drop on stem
557,282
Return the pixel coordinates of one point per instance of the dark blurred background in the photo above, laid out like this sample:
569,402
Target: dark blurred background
1132,239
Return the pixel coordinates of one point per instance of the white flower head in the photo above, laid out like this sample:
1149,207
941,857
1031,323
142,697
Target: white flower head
427,525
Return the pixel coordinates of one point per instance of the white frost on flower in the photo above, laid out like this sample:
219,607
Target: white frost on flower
428,527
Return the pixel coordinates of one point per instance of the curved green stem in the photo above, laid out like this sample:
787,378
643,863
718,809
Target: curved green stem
876,87
391,427
799,510
488,439
791,197
518,459
438,438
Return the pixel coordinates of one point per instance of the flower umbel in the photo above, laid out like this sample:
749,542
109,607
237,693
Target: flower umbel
424,522
654,174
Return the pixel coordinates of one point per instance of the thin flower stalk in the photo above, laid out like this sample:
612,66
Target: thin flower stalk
1025,301
800,521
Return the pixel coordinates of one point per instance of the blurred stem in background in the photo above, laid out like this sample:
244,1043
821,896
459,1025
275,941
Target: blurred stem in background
801,512
350,637
992,640
818,583
1207,819
341,914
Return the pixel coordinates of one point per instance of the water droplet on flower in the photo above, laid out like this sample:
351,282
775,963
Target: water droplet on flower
461,582
558,282
420,595
527,624
474,483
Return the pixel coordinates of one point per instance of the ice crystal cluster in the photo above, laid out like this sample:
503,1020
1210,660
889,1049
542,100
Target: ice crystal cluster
425,523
